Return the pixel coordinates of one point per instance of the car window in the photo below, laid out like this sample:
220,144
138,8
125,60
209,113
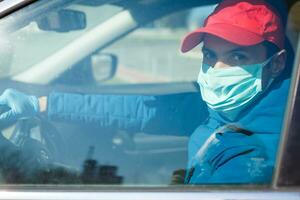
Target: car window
124,105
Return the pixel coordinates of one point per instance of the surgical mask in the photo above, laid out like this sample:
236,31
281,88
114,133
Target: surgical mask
229,90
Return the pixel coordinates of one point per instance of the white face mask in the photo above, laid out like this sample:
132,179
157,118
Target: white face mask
229,90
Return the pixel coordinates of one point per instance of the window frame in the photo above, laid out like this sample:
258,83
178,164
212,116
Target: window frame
286,172
7,7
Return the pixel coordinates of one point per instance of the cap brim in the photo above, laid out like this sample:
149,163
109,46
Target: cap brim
227,32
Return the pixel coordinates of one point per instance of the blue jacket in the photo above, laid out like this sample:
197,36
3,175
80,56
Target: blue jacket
220,151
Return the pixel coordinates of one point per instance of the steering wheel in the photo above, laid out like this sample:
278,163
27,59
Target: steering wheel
42,145
38,141
33,144
38,137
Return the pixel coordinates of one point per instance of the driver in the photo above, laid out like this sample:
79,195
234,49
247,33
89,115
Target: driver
241,81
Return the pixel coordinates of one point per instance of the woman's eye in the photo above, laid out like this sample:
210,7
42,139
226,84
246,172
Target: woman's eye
239,57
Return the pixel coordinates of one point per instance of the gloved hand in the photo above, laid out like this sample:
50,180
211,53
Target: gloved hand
19,105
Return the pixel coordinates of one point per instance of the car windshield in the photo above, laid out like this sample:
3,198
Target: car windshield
103,92
57,25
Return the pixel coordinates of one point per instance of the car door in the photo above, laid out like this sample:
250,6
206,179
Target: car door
149,65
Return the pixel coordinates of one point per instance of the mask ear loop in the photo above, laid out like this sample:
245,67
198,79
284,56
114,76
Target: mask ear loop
268,62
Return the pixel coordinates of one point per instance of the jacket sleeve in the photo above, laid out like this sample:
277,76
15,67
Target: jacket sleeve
176,114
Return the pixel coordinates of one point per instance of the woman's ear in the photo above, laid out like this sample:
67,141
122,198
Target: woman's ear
278,63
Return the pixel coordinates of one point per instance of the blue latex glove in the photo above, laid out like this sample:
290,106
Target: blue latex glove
19,105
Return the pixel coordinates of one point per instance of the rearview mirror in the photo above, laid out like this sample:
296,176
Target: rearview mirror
63,21
104,66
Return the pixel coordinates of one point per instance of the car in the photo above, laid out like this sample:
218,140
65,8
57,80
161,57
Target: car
116,47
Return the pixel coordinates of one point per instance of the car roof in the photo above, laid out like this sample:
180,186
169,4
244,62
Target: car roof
9,6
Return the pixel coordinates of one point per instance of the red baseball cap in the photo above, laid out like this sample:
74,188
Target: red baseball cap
243,22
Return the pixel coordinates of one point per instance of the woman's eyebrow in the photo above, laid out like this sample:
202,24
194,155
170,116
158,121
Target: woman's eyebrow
244,49
239,49
234,50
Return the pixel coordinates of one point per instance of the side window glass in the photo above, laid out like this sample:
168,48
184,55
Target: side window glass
68,152
151,54
103,135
